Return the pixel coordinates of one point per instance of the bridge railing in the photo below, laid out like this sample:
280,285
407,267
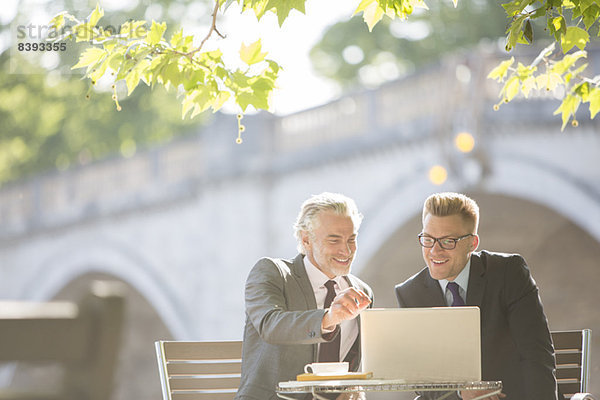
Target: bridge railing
423,102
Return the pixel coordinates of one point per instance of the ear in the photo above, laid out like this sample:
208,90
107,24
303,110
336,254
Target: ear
475,242
305,238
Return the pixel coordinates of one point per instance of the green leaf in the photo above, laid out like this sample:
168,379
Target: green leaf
58,21
251,54
525,71
222,97
245,99
362,6
584,5
95,16
96,74
572,74
115,60
548,81
133,29
240,80
283,7
372,13
90,56
258,6
262,86
583,91
562,66
528,31
221,72
133,78
591,15
273,70
192,78
568,108
499,73
575,36
594,99
527,85
514,32
516,7
559,24
156,33
198,100
171,73
511,88
83,32
177,38
155,69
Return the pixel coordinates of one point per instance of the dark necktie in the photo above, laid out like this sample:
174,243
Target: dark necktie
456,299
330,351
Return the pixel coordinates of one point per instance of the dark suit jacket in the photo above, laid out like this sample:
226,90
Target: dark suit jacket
283,326
516,346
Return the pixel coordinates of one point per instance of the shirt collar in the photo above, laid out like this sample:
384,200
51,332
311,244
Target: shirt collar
316,277
461,280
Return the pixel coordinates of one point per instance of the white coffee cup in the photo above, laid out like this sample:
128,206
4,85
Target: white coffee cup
327,368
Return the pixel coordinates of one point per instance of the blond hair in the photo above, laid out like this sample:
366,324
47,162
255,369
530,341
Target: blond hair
449,203
312,207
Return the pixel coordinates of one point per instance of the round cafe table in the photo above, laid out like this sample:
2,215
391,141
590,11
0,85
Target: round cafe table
286,389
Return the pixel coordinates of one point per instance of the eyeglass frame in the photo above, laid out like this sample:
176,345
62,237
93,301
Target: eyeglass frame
439,240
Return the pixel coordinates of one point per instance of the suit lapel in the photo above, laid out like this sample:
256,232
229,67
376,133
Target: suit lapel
432,292
476,282
299,271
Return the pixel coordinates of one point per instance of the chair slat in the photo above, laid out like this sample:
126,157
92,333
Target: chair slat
204,383
568,358
199,370
569,373
190,368
567,340
570,349
568,389
203,350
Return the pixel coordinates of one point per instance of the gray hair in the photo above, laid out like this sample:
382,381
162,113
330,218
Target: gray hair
310,209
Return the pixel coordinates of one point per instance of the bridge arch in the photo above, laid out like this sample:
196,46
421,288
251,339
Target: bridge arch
83,256
540,182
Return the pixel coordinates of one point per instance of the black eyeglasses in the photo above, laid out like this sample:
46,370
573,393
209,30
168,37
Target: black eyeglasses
445,243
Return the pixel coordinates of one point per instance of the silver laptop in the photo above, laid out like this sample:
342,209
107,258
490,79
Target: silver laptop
422,344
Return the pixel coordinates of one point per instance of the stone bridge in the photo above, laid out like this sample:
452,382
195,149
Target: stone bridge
182,224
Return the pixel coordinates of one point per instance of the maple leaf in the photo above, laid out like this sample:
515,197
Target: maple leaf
283,7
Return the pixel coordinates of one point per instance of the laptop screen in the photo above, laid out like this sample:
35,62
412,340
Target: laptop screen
422,344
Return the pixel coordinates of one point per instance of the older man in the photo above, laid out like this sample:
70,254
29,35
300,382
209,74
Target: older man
516,347
289,322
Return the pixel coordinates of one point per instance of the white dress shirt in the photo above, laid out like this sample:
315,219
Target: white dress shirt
462,280
349,328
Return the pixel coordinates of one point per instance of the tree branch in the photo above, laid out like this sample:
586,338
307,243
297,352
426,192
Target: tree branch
213,28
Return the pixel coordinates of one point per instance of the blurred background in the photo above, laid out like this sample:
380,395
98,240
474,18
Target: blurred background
178,212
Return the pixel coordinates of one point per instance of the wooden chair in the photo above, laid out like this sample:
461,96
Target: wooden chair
202,370
83,338
572,350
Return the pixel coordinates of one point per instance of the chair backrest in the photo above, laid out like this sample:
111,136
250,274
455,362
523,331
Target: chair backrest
81,337
200,370
572,350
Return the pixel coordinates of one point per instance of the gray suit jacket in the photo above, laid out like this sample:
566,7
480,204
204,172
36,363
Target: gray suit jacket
516,346
283,326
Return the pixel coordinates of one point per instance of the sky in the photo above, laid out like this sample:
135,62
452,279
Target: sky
299,87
